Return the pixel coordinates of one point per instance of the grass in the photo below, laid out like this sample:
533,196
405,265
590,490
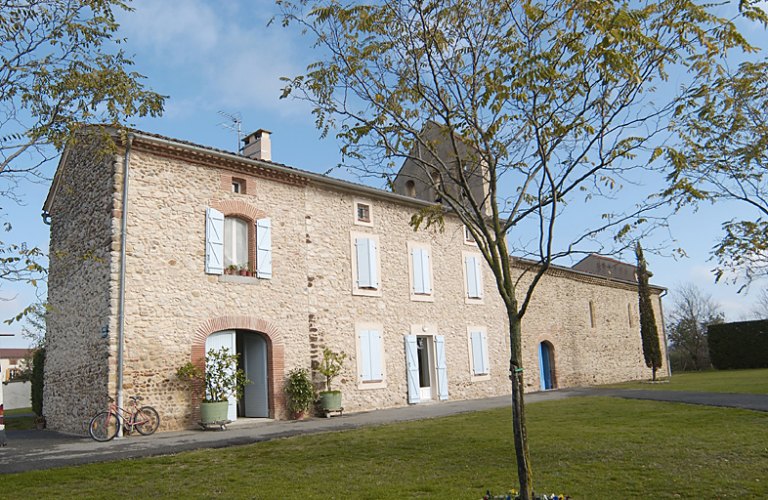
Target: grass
734,381
14,422
586,447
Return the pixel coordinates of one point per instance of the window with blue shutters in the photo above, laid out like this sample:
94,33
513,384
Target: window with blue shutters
365,265
478,343
473,276
420,266
370,350
237,245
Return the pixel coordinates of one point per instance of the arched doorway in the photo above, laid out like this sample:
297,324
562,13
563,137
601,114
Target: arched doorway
547,366
253,358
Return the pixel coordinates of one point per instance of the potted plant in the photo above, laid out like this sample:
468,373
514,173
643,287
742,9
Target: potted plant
244,271
300,391
330,367
230,269
221,379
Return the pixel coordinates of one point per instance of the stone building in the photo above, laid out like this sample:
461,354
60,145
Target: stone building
235,249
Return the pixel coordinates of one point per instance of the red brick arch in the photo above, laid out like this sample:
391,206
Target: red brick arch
238,208
275,358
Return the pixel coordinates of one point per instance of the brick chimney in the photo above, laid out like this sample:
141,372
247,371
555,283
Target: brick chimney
258,146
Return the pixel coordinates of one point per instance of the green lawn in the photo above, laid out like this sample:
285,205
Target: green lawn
13,422
737,381
587,447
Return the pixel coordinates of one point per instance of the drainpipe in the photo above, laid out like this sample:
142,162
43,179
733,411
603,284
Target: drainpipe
121,292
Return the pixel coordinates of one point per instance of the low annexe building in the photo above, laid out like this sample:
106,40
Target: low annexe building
226,249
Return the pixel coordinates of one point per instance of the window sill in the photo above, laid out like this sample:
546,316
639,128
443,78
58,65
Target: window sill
367,292
372,385
236,278
422,297
480,378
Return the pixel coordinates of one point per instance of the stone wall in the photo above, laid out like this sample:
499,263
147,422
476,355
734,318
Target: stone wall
172,305
80,320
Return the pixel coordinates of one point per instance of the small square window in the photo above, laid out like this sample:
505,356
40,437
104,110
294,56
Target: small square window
236,187
468,238
363,212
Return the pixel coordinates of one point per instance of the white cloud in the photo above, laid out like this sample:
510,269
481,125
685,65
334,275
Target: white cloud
226,56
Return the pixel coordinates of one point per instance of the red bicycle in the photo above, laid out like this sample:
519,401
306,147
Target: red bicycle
104,425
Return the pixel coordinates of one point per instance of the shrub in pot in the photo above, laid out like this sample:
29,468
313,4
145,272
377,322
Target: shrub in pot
221,380
330,367
300,392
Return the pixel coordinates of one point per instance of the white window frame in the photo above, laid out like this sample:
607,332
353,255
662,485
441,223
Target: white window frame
365,291
468,239
426,296
360,328
357,221
473,331
465,256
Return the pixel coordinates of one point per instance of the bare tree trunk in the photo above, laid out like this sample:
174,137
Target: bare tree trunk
518,408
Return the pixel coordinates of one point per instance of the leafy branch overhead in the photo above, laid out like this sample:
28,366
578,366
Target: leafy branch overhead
723,156
61,67
526,120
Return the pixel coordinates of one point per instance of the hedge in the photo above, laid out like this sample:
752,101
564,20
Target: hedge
38,368
743,344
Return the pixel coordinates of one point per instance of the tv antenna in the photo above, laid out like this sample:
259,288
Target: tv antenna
234,123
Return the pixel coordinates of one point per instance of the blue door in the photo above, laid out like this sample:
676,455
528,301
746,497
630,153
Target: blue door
546,366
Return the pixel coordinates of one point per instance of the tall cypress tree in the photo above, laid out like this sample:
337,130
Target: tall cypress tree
648,330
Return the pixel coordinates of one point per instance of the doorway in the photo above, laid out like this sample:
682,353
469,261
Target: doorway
253,358
547,366
426,370
425,354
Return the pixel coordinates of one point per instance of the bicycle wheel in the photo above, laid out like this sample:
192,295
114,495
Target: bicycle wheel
147,420
104,426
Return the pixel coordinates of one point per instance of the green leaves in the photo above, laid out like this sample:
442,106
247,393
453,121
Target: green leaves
65,70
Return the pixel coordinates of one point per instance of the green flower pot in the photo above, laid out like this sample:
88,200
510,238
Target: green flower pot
214,412
330,400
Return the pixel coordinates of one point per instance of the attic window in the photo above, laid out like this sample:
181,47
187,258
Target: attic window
238,186
363,213
468,238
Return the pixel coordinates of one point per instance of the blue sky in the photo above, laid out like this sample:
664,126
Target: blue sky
221,56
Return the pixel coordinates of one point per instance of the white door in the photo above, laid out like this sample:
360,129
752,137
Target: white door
218,340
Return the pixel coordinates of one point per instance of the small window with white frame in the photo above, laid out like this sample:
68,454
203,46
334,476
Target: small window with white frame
468,238
238,186
363,213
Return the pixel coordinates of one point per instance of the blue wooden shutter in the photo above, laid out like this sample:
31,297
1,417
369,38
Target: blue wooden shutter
264,248
370,356
417,264
479,353
422,282
412,368
365,356
425,276
376,346
367,275
441,367
214,241
474,282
